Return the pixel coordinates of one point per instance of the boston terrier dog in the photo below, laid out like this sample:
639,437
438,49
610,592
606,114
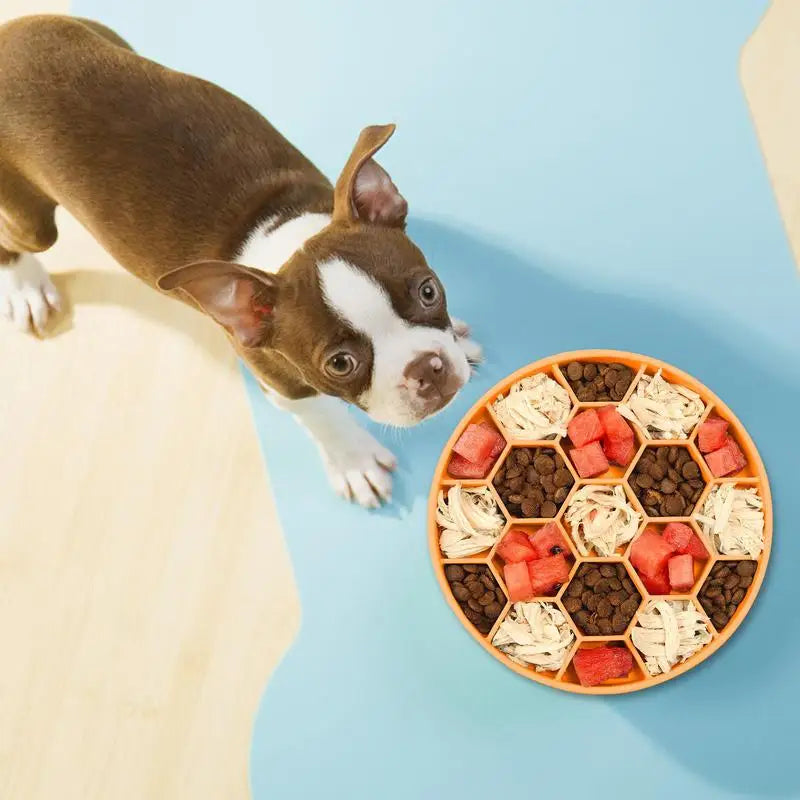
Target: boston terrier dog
318,287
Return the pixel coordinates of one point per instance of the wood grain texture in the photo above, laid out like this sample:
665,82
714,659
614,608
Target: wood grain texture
145,590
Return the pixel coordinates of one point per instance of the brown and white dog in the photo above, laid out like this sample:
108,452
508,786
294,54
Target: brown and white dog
189,188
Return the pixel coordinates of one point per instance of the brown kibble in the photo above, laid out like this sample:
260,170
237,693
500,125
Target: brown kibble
592,577
607,570
712,591
586,394
562,477
602,586
475,605
673,454
686,491
667,486
460,592
585,597
544,465
493,610
530,508
674,476
697,483
746,568
454,572
720,620
488,581
581,618
476,589
575,371
592,602
627,585
724,571
486,599
620,570
690,470
605,626
621,386
674,505
610,379
737,596
745,581
657,471
618,623
572,604
652,498
615,584
548,509
589,371
707,605
628,608
644,481
575,588
560,494
617,598
662,455
731,582
719,600
604,608
590,629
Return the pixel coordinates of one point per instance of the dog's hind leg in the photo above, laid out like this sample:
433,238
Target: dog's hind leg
27,226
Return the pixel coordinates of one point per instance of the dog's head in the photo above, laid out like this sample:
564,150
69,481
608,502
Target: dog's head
356,310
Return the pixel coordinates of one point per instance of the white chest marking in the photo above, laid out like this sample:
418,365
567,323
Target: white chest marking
270,250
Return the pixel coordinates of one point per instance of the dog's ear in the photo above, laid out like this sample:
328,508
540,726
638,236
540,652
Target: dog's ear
364,190
240,299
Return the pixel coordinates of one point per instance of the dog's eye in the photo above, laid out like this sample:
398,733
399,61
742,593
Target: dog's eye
341,365
429,293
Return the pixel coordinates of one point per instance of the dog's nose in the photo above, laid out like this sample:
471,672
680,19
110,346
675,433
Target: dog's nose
430,376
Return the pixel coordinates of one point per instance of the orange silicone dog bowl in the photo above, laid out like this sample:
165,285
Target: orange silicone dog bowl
753,475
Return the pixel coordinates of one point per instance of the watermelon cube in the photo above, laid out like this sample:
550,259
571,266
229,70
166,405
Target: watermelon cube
657,584
585,428
650,552
589,460
615,428
547,574
459,467
515,547
684,540
728,460
681,572
479,442
518,582
596,665
619,452
548,541
711,434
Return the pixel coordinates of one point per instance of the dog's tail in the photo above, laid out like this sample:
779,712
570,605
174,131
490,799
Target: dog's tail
106,33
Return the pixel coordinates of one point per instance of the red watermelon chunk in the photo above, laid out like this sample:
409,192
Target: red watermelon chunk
518,582
477,443
589,460
620,452
515,547
459,467
585,428
684,540
548,541
681,572
711,434
547,574
596,665
656,584
615,428
728,460
650,552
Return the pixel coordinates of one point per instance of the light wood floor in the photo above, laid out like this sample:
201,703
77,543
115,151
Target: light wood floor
145,592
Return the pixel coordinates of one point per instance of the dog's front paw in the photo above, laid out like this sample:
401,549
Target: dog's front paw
359,468
27,295
472,350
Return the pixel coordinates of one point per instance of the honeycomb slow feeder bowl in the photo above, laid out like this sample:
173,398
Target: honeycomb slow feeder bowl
674,563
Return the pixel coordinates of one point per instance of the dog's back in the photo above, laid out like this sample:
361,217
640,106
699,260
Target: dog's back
117,132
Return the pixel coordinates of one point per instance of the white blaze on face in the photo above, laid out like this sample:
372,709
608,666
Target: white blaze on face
364,304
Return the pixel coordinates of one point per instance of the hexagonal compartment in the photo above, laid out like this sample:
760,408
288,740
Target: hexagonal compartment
623,669
477,450
537,636
597,380
534,408
477,592
473,526
724,590
720,449
661,652
601,519
667,480
601,598
534,560
600,443
669,558
533,482
731,516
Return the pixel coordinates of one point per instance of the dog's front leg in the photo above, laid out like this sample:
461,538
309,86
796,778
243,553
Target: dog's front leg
358,466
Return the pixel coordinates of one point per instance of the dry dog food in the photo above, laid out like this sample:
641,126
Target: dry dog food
733,518
477,592
593,382
663,410
469,521
601,517
667,481
533,482
535,408
601,599
596,665
537,634
724,588
668,632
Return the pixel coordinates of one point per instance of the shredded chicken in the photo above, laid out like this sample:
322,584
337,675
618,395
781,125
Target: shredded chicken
733,518
536,408
470,521
537,634
601,517
663,410
668,632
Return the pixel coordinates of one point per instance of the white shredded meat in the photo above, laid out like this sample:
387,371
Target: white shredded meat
470,521
663,410
601,517
535,408
537,634
733,518
668,632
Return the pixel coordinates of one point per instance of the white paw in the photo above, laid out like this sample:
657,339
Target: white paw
27,295
471,349
359,468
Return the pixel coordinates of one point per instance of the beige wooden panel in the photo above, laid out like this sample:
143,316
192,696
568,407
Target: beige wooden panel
145,591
